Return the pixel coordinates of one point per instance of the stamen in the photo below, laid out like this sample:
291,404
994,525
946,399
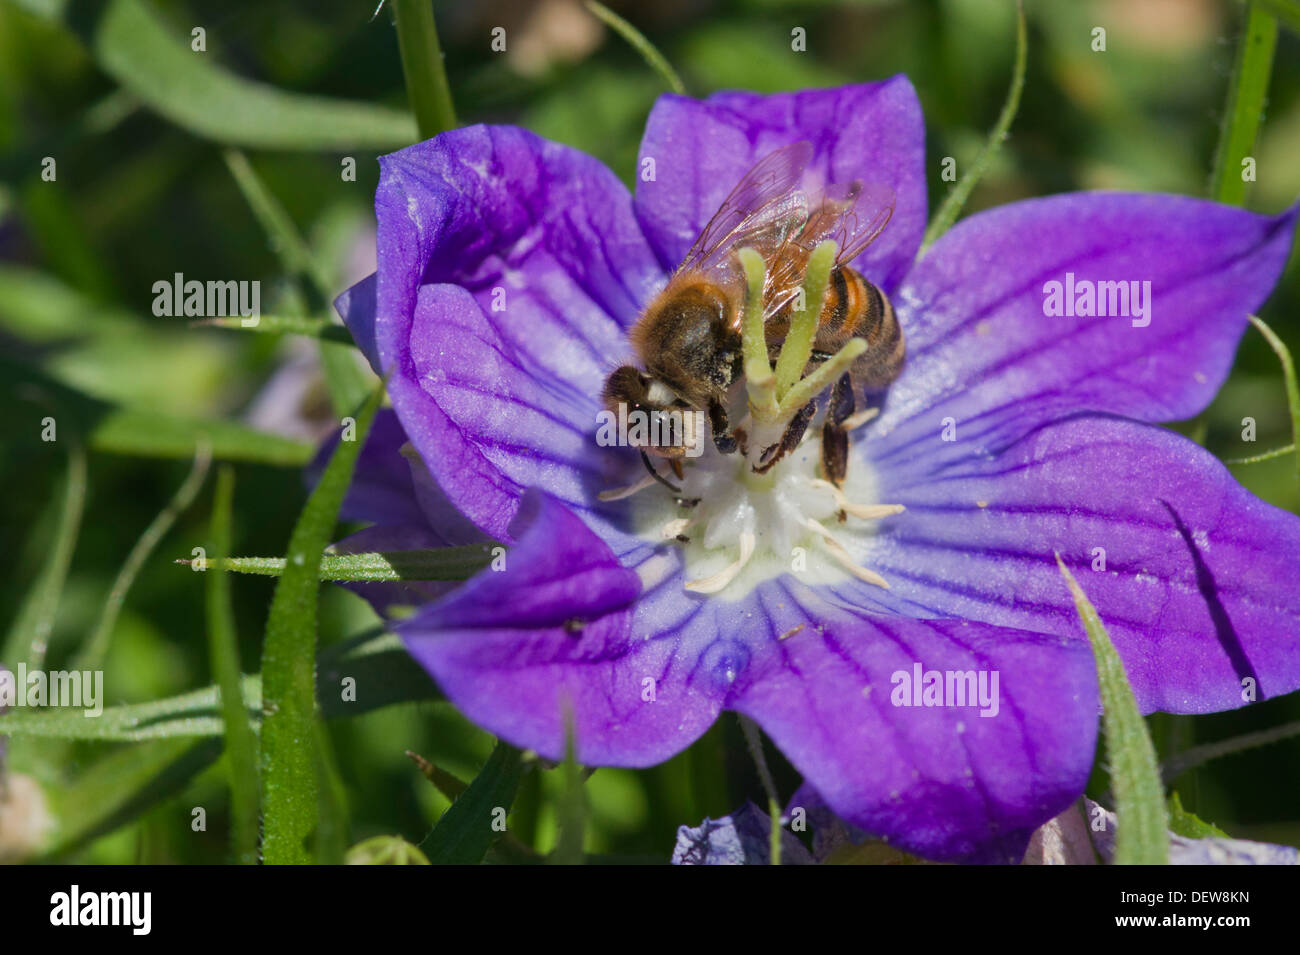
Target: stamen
618,493
838,551
798,345
675,528
855,421
711,585
868,512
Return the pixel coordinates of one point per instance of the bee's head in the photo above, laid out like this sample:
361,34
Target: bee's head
650,416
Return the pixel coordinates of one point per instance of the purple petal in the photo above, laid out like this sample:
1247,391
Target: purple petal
509,267
978,340
381,491
1197,586
942,782
552,632
871,131
356,307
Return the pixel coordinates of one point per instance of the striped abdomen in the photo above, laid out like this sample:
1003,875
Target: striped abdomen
856,307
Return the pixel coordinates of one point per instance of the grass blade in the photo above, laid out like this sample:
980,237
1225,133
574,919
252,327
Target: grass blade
29,636
423,68
223,651
952,204
92,654
289,770
1174,767
1143,821
282,325
1247,91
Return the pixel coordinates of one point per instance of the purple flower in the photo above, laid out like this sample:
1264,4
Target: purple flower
510,269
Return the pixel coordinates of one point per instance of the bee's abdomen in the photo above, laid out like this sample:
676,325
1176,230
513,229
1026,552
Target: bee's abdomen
856,307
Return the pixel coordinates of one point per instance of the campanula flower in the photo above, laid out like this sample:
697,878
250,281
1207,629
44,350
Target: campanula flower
925,670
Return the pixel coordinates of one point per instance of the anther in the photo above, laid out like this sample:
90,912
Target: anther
837,551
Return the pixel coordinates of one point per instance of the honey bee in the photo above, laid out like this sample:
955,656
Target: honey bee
688,339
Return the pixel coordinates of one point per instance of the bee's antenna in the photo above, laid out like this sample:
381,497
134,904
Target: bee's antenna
645,458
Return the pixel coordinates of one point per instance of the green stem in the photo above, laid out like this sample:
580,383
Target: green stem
1288,376
1246,93
636,39
442,563
422,67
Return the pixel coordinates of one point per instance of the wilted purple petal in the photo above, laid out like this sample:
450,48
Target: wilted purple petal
870,131
941,781
514,649
979,343
1187,851
741,838
381,490
356,307
1188,564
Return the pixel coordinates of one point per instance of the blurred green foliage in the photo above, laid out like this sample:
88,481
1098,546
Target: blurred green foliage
139,198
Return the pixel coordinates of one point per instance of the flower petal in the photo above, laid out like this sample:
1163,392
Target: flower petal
381,490
1189,571
356,307
532,248
979,341
514,649
871,131
943,782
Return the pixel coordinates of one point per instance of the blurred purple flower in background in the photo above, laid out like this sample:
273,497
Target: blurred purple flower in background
510,269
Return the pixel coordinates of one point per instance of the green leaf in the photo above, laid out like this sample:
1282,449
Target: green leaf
223,652
465,832
1247,91
92,654
423,67
952,204
1184,823
1288,379
636,39
289,752
1142,822
133,46
384,672
121,786
142,431
29,635
442,563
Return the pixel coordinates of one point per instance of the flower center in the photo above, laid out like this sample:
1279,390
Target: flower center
744,518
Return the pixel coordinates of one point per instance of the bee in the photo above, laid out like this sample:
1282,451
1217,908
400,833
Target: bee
688,339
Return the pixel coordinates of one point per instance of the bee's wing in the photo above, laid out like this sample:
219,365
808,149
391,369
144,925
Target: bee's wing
852,215
763,207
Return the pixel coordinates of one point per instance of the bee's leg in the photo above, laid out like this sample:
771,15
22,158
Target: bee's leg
790,440
649,466
835,437
722,436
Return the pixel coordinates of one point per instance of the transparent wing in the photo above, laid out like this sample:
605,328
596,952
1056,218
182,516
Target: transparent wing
763,210
852,215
